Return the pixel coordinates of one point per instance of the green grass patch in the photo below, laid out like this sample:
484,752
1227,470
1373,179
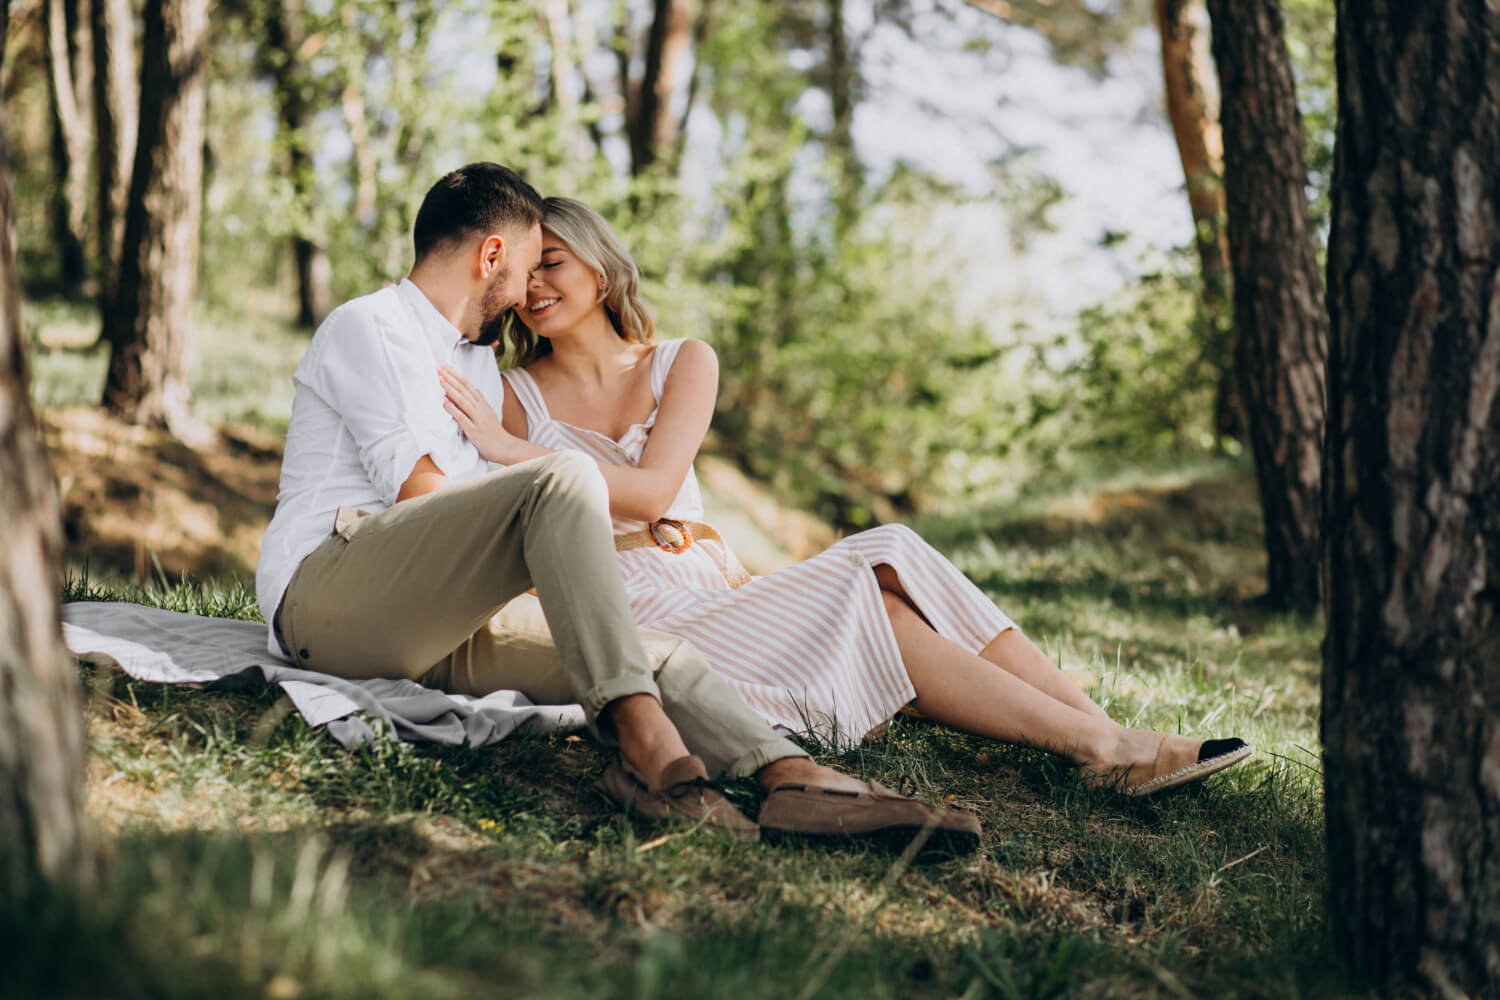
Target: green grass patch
249,855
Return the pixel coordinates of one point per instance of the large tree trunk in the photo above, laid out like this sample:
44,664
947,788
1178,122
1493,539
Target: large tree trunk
1411,679
63,29
114,129
651,125
147,329
42,748
1281,327
1200,148
283,37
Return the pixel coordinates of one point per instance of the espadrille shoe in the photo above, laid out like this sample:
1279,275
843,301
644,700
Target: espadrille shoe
683,794
1167,770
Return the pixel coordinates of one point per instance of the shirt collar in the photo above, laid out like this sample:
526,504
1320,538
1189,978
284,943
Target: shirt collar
443,335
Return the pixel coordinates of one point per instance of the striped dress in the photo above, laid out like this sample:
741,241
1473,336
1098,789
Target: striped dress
810,647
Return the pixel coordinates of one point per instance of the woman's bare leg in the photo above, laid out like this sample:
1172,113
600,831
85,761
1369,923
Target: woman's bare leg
1013,652
962,690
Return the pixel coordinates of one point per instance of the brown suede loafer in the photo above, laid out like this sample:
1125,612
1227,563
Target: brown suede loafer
1161,774
869,812
684,795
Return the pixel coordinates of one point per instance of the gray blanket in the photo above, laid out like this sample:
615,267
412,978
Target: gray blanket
170,647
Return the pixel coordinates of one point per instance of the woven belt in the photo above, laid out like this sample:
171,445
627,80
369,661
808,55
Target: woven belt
678,536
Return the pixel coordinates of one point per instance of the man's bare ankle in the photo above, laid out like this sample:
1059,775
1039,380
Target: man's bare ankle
647,739
780,771
791,770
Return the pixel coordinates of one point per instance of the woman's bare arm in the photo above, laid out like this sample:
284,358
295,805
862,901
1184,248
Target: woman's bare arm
643,492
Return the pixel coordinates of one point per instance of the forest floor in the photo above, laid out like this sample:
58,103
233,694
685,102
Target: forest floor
248,855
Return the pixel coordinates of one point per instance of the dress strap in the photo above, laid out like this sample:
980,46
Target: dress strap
661,364
530,396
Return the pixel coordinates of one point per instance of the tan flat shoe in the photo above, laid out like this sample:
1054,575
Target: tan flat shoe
868,812
684,795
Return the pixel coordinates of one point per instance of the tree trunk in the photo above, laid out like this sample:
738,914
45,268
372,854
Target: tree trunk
62,25
841,80
147,329
564,95
1200,148
651,126
114,129
1281,327
283,37
1411,678
700,35
42,748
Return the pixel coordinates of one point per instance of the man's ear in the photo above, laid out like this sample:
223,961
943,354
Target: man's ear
492,253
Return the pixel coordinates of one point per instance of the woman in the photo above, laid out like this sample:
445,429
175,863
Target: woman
836,644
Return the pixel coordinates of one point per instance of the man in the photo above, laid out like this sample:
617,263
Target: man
396,551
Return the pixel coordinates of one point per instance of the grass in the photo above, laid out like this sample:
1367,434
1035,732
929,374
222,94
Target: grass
267,861
248,855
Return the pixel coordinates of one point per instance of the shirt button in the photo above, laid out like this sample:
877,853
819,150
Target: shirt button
302,654
856,561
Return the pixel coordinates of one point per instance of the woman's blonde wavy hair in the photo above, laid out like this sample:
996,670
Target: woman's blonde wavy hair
594,243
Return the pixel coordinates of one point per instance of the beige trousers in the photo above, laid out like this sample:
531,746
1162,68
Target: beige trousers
434,590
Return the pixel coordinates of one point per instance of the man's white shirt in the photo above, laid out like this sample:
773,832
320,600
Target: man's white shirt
366,406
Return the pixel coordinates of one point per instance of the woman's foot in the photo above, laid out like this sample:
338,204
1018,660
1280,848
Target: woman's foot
1145,762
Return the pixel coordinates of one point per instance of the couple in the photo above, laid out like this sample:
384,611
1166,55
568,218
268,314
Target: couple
420,501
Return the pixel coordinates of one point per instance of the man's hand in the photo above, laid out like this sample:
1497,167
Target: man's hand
425,478
479,422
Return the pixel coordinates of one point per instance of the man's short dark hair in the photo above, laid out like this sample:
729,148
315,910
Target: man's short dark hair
480,198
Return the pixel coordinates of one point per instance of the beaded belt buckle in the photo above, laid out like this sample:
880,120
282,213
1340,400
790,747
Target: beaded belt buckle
671,536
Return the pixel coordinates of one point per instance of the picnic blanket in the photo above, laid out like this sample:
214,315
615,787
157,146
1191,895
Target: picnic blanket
172,647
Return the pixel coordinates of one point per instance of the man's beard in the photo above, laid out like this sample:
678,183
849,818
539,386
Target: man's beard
493,312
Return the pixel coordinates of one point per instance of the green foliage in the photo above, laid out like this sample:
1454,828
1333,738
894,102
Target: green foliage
401,93
847,380
1310,30
844,378
1135,385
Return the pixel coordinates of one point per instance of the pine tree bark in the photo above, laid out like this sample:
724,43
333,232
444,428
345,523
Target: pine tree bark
115,102
1200,148
147,328
1281,326
61,28
1411,680
42,748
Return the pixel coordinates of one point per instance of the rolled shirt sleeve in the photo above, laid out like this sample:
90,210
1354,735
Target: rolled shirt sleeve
382,383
